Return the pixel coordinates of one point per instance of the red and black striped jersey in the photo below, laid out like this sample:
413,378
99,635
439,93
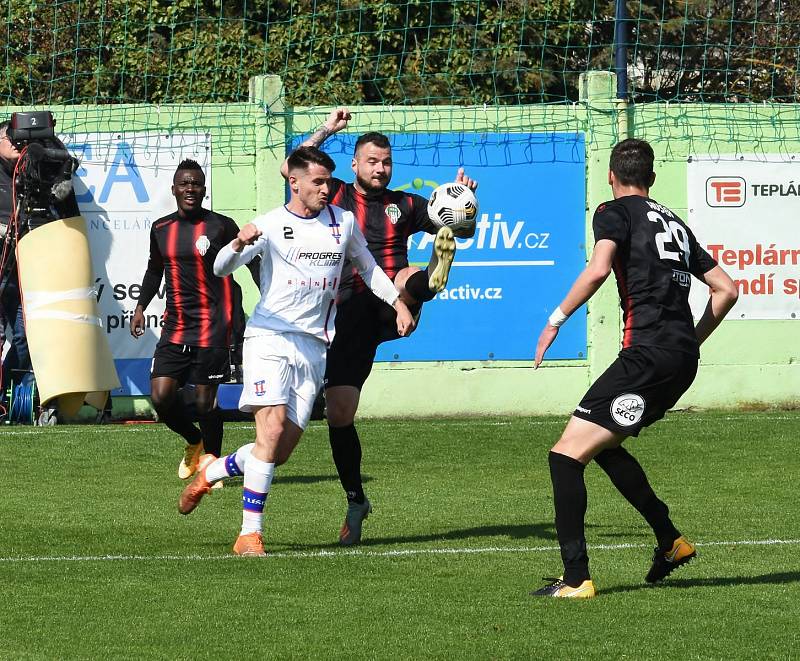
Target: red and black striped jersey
386,220
656,256
202,310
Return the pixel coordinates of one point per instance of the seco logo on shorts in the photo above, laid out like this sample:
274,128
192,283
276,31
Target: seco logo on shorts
627,409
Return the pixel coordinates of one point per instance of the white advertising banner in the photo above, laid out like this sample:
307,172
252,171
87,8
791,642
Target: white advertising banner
123,185
746,213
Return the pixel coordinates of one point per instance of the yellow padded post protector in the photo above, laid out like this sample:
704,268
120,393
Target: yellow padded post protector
69,347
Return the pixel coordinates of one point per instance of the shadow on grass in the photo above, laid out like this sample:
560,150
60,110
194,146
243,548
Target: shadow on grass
626,533
304,479
779,578
313,479
293,479
541,532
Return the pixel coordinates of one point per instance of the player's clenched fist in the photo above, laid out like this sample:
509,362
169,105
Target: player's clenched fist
248,235
337,120
405,320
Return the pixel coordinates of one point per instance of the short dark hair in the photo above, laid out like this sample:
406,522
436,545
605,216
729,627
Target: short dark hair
4,125
632,163
302,157
188,164
373,137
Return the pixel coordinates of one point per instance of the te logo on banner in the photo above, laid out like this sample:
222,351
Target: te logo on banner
725,191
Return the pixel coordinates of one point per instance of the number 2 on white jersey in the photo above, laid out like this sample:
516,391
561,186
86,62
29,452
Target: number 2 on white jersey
673,233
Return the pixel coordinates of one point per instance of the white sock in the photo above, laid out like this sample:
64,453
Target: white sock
257,480
230,465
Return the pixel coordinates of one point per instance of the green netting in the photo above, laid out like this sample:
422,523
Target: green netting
386,57
377,52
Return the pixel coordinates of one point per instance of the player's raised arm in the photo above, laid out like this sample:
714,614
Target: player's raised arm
336,121
239,251
584,287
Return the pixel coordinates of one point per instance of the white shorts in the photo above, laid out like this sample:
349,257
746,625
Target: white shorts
285,368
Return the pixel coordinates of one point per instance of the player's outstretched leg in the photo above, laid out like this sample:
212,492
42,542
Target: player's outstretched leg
665,561
212,472
193,493
444,249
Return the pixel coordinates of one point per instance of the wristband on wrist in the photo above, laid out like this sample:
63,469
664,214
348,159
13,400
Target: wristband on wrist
557,318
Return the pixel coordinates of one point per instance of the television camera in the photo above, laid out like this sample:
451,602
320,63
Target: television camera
42,181
41,192
43,176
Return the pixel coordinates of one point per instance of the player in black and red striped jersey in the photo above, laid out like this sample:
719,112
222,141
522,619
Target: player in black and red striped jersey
654,256
203,320
387,219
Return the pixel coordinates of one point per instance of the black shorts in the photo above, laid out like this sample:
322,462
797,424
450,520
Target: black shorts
637,389
362,323
200,366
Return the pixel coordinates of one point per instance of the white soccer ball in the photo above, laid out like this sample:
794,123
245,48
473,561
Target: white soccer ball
455,206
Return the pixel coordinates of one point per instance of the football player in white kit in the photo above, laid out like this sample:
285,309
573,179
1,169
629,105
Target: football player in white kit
303,246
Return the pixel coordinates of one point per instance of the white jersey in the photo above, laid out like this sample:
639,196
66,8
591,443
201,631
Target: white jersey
301,267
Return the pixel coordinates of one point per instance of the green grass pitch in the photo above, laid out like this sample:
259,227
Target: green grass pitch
96,563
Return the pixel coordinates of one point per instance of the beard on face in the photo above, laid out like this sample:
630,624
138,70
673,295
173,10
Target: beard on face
368,186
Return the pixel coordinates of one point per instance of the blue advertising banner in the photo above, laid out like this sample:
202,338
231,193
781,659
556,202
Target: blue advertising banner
527,249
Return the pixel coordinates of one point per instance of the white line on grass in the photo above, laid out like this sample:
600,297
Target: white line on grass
380,554
150,427
316,426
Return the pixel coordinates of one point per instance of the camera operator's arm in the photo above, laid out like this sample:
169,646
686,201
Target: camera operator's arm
149,288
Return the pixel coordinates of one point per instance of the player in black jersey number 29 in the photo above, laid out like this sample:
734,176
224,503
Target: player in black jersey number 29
653,255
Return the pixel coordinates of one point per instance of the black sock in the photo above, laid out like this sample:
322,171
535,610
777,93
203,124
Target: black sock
176,417
346,451
628,477
417,286
569,499
211,427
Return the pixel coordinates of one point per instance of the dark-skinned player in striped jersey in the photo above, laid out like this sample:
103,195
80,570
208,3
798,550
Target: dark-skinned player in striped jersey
203,320
387,219
654,256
